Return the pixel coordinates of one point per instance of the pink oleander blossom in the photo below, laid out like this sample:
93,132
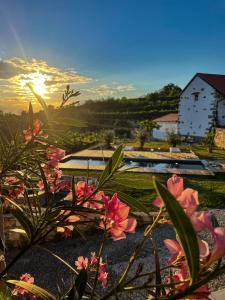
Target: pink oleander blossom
102,278
81,263
22,291
177,253
188,199
65,231
181,275
30,133
116,218
55,154
218,251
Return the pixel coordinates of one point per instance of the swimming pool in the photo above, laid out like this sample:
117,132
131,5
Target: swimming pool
137,164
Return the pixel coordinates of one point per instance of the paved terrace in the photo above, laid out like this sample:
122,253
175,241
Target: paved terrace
136,154
140,154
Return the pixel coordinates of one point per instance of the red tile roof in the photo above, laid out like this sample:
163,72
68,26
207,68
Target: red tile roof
215,80
167,118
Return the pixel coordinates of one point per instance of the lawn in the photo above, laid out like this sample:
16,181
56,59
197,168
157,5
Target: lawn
139,185
199,150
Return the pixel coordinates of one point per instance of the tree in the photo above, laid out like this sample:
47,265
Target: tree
142,136
209,140
173,138
171,90
108,138
148,126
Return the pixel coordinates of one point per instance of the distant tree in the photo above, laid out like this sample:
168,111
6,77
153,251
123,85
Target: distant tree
142,136
148,126
108,137
123,128
170,90
173,138
209,140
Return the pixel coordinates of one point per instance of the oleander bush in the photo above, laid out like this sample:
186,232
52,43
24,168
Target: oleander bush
29,167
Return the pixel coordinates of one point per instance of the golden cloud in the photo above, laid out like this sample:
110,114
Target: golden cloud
105,90
16,72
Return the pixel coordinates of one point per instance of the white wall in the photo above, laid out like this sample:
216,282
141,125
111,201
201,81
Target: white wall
197,117
161,133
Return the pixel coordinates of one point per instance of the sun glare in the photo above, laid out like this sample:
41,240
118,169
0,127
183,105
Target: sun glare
37,80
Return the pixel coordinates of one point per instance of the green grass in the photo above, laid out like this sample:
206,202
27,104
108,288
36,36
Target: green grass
139,185
200,150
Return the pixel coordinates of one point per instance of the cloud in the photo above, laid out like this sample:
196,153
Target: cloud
125,88
50,83
16,72
105,90
19,67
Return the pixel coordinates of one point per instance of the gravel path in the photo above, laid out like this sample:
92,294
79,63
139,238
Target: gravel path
48,271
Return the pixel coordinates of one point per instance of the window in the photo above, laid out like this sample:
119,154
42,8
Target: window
195,96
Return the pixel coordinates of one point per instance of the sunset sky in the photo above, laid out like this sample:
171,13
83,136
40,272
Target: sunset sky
105,48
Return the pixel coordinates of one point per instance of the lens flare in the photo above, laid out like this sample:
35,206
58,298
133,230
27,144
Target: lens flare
37,80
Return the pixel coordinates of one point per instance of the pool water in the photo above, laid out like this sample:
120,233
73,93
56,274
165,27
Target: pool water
150,165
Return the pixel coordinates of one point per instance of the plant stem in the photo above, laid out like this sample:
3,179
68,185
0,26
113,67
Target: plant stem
98,263
139,247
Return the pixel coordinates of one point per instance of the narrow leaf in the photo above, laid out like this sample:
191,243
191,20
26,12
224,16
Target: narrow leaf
39,98
34,289
24,221
112,165
80,283
132,202
183,228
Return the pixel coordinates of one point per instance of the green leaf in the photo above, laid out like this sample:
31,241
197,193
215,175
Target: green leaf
34,289
39,98
31,115
132,202
183,228
20,215
73,294
80,283
19,230
158,279
214,220
112,165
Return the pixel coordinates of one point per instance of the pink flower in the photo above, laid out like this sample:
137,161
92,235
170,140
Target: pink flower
202,221
177,253
189,200
102,278
21,291
117,219
218,250
55,154
29,133
83,190
174,249
181,274
175,185
81,263
93,259
66,231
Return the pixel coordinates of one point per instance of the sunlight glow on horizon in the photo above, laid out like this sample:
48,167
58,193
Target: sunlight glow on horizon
37,80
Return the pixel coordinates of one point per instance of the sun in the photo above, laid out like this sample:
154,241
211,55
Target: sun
37,80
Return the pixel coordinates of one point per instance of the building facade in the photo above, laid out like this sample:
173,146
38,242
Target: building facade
202,105
168,124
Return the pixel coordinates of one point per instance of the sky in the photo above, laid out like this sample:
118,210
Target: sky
105,48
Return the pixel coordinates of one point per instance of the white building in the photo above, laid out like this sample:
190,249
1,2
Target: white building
202,105
168,123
